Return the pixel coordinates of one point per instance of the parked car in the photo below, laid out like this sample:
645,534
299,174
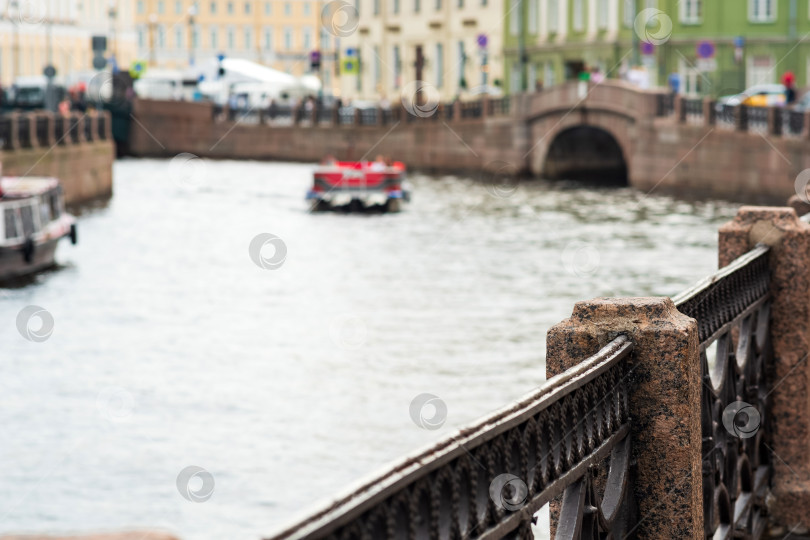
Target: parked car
759,95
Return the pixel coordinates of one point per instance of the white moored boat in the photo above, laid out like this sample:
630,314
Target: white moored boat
32,221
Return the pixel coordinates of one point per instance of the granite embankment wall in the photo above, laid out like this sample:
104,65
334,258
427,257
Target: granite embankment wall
78,150
669,146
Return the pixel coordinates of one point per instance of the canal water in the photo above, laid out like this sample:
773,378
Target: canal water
172,348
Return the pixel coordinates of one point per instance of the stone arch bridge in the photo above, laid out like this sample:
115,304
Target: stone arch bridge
608,133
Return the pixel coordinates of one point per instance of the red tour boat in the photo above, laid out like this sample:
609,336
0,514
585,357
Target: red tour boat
359,185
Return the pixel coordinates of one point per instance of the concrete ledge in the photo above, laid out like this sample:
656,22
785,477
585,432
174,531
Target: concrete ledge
129,535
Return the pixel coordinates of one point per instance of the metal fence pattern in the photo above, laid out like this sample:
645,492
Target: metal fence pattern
733,312
488,479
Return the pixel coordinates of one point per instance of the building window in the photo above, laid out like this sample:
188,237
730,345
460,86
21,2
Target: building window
514,17
439,65
579,16
533,16
395,6
213,37
548,74
178,37
231,39
230,8
248,39
417,6
762,10
161,34
178,7
553,15
288,38
141,38
377,67
161,7
438,5
461,3
267,8
247,8
376,7
268,39
483,2
213,8
141,8
306,8
691,11
397,66
307,38
195,37
602,14
629,12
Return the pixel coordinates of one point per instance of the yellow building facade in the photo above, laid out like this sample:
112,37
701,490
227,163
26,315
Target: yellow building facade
60,32
278,33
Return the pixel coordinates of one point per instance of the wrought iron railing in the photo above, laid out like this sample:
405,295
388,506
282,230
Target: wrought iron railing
693,110
665,104
792,122
756,118
732,309
488,479
726,116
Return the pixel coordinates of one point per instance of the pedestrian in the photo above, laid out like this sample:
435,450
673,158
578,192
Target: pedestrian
789,80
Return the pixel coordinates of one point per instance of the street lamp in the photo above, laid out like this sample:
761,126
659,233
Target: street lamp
192,13
112,12
14,10
153,18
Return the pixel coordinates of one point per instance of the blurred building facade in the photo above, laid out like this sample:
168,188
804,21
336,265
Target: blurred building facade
281,34
34,33
707,48
454,46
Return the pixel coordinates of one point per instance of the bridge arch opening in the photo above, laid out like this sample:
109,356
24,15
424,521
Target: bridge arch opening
586,154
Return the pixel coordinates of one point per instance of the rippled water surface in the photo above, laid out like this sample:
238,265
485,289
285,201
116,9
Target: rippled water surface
171,348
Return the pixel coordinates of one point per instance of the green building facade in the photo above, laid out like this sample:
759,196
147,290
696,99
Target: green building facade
716,47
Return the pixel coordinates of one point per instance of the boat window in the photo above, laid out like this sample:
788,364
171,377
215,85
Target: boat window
27,214
44,211
54,200
10,219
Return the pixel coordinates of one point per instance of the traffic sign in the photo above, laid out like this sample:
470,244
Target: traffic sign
481,40
705,49
49,72
99,62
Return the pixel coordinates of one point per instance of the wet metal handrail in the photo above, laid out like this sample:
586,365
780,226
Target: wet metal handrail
487,480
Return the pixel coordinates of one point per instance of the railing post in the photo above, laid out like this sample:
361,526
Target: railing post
806,125
741,118
708,111
774,121
14,131
457,110
680,109
484,106
665,403
788,412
